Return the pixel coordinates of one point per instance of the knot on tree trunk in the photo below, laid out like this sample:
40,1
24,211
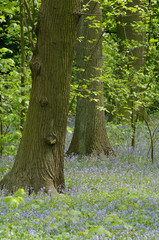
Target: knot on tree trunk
43,101
35,68
50,139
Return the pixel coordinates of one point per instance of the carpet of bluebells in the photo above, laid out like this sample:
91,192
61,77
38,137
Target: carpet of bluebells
105,198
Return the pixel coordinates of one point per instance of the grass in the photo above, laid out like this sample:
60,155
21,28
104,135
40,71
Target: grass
106,198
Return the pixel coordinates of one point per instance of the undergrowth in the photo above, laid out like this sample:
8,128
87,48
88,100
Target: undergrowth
105,198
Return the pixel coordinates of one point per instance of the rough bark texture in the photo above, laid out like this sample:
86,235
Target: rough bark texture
40,159
90,136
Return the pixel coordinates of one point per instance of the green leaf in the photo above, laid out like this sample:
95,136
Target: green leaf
11,202
127,226
2,169
98,230
111,218
69,129
20,193
74,212
74,219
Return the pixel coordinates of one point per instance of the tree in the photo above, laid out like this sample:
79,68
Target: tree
131,39
40,159
90,134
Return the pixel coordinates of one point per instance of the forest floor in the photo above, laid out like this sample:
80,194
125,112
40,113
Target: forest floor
105,198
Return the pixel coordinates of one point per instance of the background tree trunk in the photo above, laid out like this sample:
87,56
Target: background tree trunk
40,159
90,134
127,33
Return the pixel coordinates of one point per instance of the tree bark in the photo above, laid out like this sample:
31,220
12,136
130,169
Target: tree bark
90,136
127,33
40,159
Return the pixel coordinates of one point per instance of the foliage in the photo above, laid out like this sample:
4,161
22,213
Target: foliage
11,103
11,97
122,82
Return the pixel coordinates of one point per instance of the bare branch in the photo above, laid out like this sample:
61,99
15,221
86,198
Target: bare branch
29,14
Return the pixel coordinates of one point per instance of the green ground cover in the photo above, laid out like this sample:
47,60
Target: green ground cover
105,198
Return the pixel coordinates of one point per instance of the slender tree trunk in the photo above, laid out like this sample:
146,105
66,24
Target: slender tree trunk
90,136
127,33
40,159
22,114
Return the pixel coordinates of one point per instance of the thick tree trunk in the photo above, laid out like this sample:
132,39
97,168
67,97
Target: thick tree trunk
90,136
40,159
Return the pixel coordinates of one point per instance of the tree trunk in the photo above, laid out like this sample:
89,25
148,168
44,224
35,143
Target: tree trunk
90,136
40,159
126,33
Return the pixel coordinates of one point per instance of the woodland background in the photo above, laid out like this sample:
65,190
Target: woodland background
17,41
106,197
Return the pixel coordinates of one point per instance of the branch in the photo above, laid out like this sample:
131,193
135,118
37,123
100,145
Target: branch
29,36
29,14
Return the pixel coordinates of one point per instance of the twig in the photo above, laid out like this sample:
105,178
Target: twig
29,36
